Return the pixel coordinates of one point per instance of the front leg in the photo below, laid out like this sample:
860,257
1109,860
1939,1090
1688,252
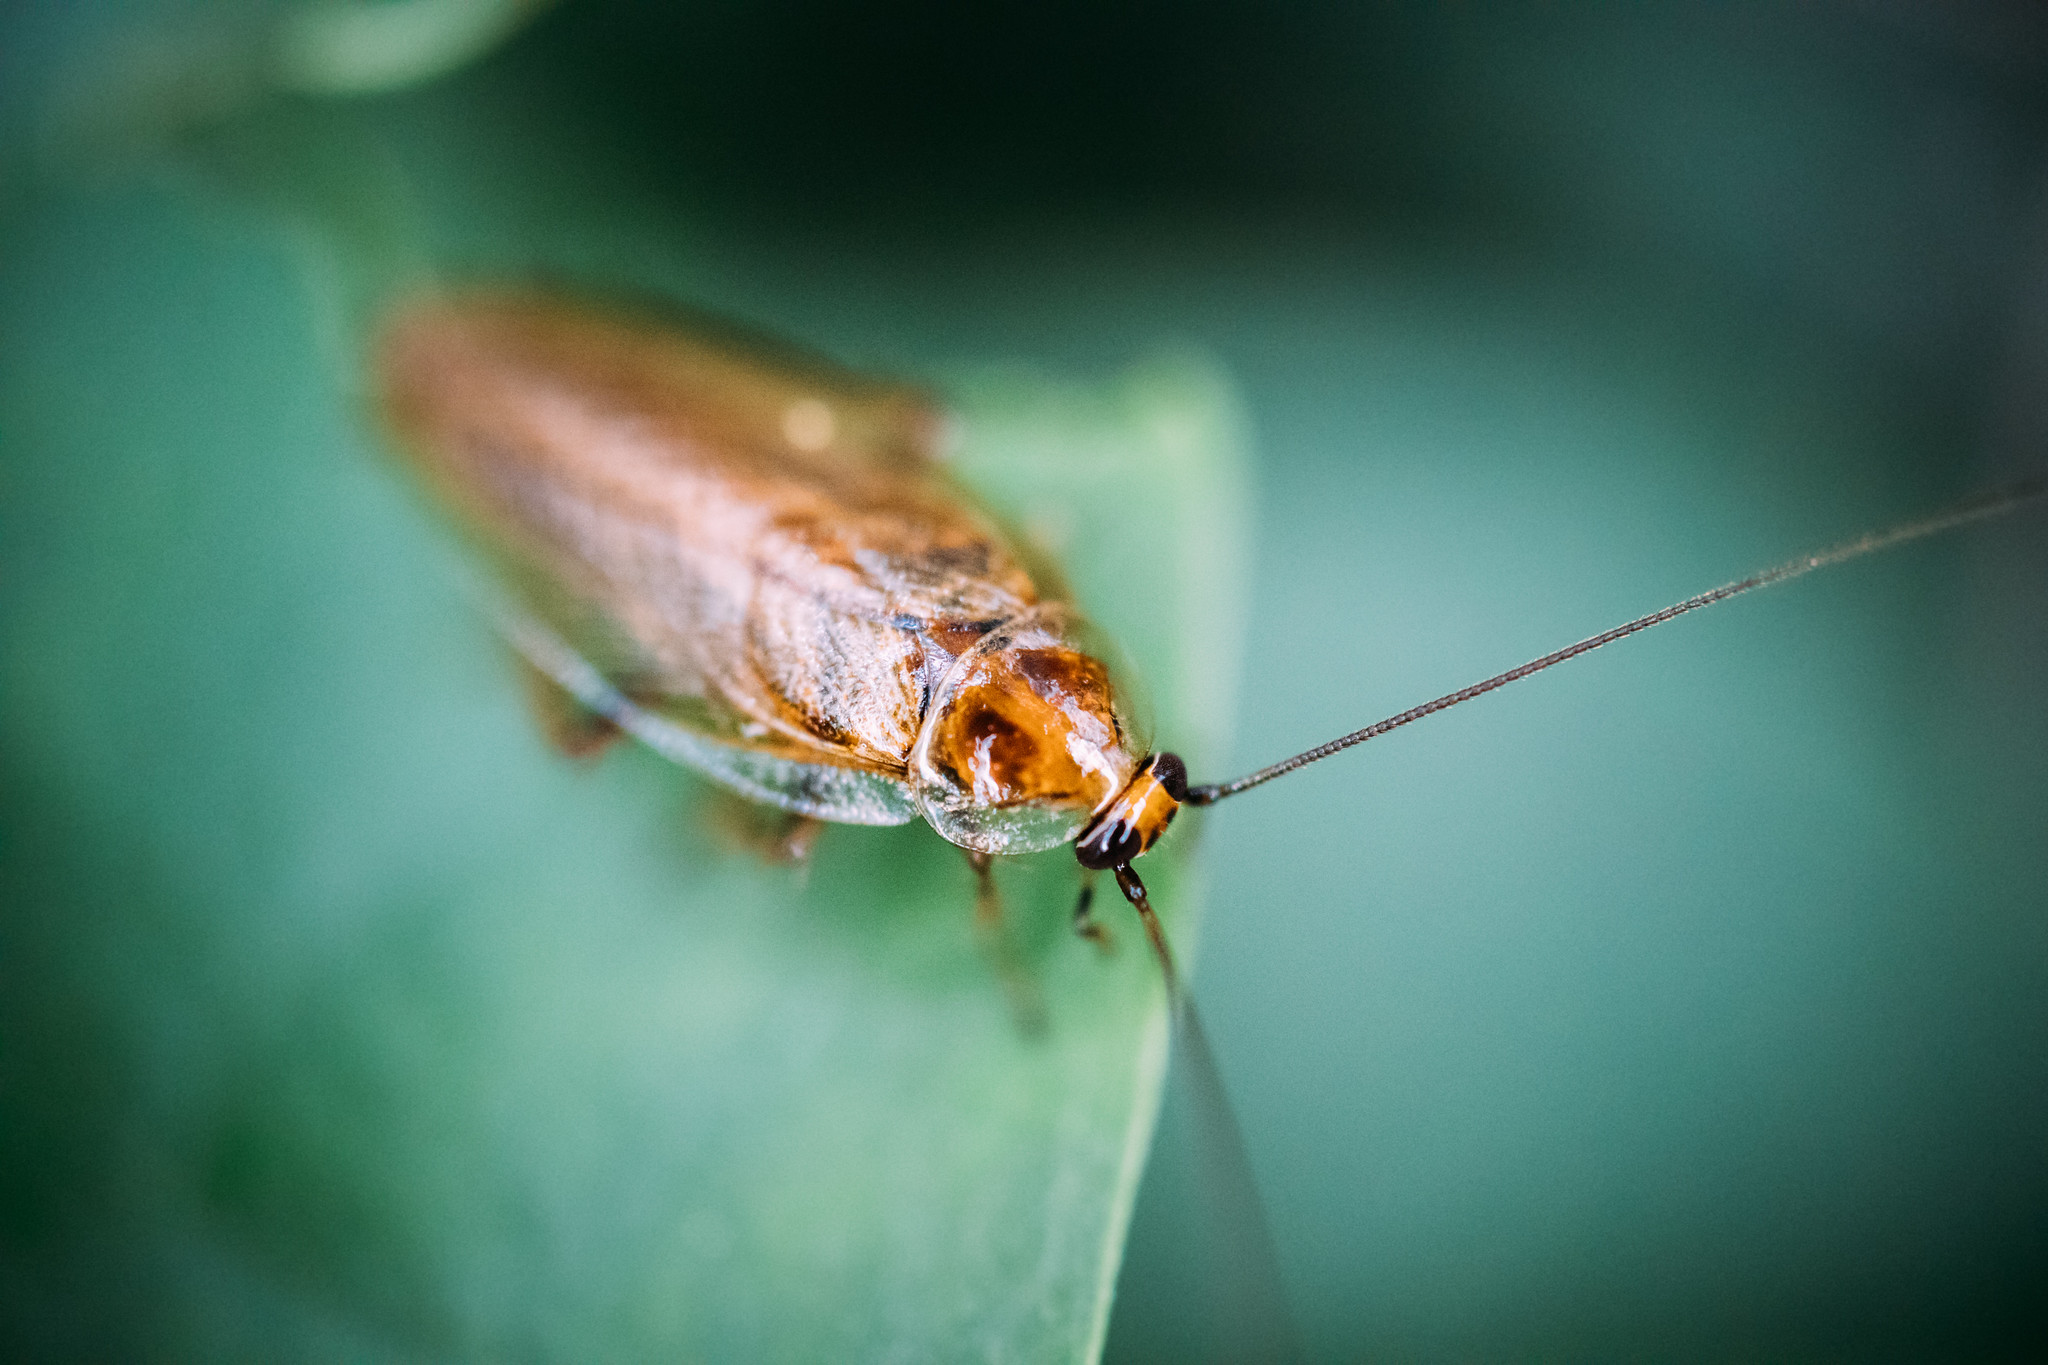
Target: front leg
769,833
1019,985
1085,923
570,728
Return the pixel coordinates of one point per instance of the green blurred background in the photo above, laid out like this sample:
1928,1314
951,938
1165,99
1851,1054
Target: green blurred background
1687,1002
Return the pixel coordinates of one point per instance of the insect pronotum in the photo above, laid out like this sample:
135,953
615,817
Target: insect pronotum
755,564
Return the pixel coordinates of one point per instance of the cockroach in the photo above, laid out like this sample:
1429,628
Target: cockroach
755,564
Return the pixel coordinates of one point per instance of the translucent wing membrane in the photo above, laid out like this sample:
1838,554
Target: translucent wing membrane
852,796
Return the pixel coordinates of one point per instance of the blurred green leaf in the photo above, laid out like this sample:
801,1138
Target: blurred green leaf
346,1018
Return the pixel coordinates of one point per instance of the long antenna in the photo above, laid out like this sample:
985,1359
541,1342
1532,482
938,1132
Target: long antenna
1984,505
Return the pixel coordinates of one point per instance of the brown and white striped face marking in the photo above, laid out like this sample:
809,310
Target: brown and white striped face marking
1133,822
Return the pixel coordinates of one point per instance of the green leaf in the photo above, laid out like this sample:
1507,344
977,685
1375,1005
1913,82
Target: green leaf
343,1017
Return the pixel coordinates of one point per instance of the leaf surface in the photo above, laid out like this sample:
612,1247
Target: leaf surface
350,1019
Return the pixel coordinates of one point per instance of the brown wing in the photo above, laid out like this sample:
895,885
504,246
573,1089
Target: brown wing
762,549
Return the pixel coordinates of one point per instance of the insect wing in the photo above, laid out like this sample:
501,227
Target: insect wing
745,547
846,795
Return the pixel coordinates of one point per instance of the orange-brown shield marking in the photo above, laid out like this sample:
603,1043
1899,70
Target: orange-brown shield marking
1005,735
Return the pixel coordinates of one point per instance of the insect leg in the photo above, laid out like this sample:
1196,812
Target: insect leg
570,728
799,835
774,836
1085,923
1018,984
